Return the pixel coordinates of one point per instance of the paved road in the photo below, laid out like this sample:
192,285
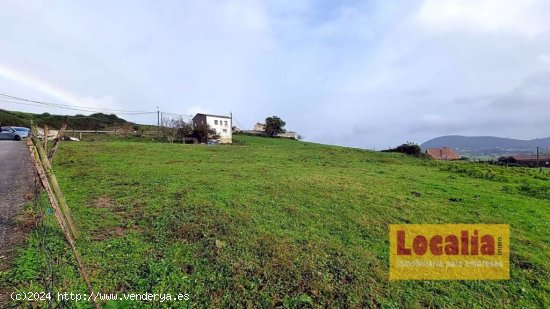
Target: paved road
16,188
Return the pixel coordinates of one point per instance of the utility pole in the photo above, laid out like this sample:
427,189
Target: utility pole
158,122
537,156
231,126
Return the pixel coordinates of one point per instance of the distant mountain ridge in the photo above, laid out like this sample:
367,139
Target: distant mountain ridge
487,144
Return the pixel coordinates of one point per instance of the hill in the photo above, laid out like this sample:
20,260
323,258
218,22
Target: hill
278,223
487,144
97,121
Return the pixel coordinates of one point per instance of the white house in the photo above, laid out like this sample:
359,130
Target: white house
222,125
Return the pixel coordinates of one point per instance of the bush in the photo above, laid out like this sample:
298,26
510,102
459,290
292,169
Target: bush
274,125
203,132
410,149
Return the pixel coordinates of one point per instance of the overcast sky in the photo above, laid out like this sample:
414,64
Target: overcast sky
356,73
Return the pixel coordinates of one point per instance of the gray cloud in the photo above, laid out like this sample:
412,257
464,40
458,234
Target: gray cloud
365,74
533,93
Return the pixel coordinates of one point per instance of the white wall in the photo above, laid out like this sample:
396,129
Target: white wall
221,125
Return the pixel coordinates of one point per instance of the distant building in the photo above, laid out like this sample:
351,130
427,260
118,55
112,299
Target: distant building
222,124
527,161
288,134
444,153
259,127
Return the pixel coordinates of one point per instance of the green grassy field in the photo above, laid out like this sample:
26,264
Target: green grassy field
276,222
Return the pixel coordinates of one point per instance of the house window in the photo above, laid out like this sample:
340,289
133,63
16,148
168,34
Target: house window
225,123
215,122
224,130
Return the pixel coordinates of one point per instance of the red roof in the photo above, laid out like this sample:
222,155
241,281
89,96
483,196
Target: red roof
444,153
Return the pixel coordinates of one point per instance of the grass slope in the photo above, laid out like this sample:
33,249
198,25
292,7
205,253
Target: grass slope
275,222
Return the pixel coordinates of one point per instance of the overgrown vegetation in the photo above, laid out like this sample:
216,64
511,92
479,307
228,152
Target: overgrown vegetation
97,121
203,132
207,221
177,129
274,125
528,181
409,148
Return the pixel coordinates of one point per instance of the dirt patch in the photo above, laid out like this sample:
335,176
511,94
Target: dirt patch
204,225
521,262
107,202
21,226
127,217
27,221
4,296
112,232
104,202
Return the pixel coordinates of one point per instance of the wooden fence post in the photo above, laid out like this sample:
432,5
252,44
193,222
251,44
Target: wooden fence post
61,219
43,159
46,132
52,151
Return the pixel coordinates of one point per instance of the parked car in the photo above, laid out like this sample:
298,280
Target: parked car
10,133
25,132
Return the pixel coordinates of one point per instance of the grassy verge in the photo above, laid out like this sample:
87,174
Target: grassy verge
276,222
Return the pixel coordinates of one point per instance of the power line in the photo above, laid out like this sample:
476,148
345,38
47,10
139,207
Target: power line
75,109
71,107
173,114
238,123
23,101
65,105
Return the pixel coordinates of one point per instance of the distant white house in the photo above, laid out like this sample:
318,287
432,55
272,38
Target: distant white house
222,125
